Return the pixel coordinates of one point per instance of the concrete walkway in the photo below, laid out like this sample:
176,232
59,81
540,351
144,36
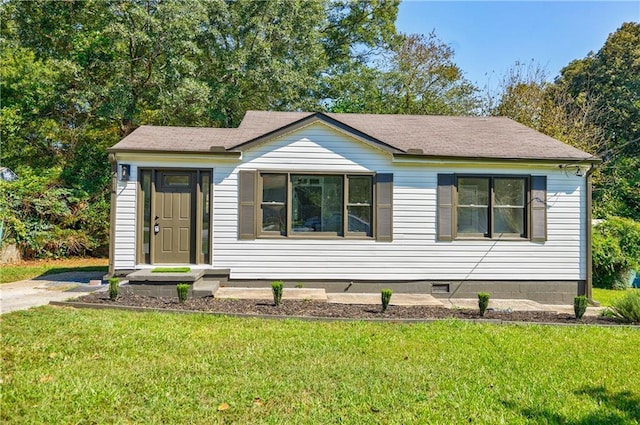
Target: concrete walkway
396,299
40,291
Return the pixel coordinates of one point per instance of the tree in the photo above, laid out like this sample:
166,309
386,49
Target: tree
610,78
79,75
417,75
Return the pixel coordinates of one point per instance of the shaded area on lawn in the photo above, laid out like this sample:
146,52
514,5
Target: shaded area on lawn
621,407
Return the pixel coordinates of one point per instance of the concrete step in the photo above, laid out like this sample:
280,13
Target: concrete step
266,294
205,288
375,298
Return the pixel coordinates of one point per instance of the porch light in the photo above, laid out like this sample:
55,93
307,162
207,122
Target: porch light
125,170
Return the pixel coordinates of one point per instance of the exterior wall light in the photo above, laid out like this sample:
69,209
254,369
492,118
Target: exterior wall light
125,170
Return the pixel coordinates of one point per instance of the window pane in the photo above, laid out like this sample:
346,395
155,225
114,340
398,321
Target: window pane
146,211
509,192
274,218
274,188
473,191
473,220
317,203
206,208
177,180
360,219
360,189
508,220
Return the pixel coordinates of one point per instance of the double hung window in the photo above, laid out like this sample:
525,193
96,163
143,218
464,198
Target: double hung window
491,206
316,204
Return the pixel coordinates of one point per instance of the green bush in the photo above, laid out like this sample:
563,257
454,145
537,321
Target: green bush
579,306
276,288
386,298
627,308
114,286
483,302
616,252
45,219
183,291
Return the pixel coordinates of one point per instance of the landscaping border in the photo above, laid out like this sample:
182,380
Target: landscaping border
81,305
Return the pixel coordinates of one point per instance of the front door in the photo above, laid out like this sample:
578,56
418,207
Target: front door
173,226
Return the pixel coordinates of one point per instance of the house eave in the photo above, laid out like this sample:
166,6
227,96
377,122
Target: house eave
448,159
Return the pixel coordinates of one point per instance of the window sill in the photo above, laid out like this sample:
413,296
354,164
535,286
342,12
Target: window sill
308,237
503,238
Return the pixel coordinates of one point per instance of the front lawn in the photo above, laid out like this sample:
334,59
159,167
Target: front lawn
89,366
30,269
606,297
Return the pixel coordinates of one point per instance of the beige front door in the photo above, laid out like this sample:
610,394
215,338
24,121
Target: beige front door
173,227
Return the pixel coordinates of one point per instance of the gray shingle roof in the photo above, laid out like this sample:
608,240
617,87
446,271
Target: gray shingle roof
440,136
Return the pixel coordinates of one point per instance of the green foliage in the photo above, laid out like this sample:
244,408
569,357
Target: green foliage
610,79
46,219
114,286
580,306
183,291
627,308
419,77
276,289
616,251
386,298
483,302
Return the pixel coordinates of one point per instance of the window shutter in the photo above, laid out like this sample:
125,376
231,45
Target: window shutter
445,207
247,204
538,208
384,207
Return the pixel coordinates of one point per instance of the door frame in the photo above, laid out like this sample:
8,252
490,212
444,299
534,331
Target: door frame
146,210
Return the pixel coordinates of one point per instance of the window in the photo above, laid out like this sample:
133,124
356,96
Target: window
492,207
304,205
316,204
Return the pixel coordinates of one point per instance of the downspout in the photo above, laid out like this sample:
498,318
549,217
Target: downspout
112,215
589,237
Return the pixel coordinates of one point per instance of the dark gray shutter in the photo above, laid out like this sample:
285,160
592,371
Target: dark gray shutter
445,207
538,208
247,204
384,207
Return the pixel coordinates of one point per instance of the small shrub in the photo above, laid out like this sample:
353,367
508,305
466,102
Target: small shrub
183,291
483,301
386,298
299,285
627,308
579,306
276,288
114,286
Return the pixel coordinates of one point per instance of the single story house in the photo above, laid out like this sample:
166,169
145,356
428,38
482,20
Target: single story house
357,202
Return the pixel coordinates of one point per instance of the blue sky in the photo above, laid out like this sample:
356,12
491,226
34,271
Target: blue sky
489,37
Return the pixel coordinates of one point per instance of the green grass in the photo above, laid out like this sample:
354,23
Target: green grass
606,297
171,270
31,269
90,366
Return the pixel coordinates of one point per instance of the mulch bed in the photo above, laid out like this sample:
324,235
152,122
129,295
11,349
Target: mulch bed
316,309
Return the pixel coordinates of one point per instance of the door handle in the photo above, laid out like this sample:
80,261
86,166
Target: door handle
156,228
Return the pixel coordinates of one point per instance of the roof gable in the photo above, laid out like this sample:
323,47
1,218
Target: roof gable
314,118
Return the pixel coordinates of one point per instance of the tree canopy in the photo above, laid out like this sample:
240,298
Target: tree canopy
79,75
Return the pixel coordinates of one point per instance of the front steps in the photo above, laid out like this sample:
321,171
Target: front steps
203,283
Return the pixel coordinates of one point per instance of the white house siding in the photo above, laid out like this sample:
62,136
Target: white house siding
414,253
125,234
